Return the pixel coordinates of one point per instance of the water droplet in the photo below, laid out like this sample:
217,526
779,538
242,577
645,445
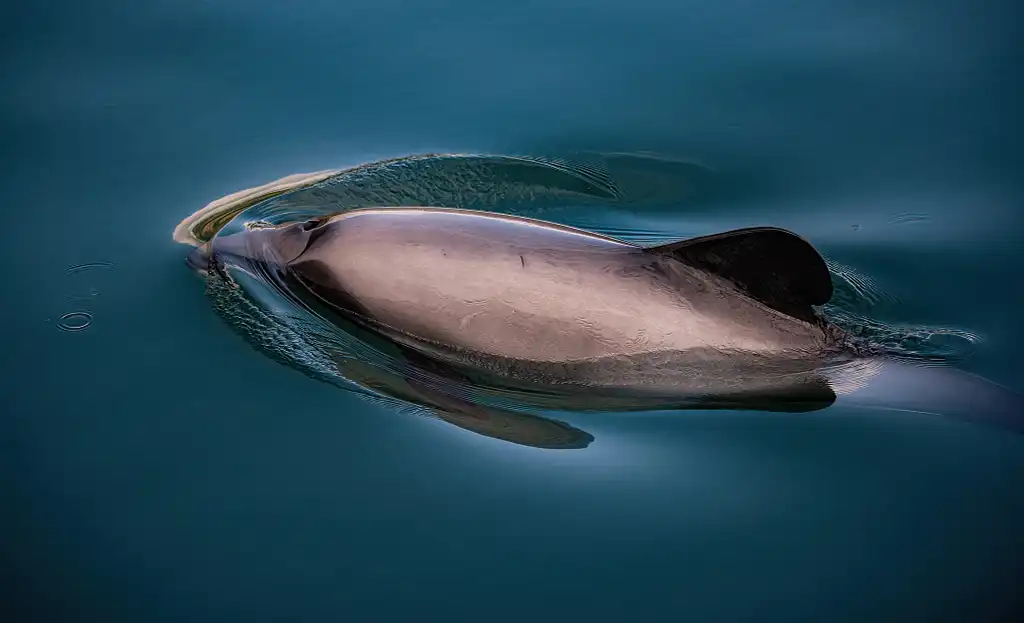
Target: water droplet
74,321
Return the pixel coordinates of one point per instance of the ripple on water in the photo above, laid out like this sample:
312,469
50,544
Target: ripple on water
909,217
78,268
83,297
75,321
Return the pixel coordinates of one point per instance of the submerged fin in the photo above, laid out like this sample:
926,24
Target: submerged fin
771,265
939,390
519,428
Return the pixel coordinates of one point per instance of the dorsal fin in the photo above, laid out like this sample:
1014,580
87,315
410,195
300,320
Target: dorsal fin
771,265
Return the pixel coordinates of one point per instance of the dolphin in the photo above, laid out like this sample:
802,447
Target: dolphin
729,320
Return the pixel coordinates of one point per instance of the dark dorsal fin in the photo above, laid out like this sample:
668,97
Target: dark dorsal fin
774,266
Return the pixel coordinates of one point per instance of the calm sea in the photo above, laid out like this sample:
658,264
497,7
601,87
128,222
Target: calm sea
154,466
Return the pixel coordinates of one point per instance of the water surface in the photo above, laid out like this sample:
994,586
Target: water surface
158,467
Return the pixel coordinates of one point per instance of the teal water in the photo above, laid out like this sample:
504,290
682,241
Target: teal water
157,466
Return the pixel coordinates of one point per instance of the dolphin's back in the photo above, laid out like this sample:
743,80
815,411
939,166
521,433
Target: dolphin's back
524,290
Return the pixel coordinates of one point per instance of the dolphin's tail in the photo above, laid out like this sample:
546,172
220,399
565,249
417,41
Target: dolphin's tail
937,390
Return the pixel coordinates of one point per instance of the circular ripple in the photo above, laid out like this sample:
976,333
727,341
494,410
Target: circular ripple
74,321
84,267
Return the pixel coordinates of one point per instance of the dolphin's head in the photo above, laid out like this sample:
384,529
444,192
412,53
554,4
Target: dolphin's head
270,245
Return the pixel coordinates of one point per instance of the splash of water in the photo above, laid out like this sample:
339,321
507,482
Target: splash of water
857,296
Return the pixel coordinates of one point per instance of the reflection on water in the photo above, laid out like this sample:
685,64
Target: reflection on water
588,191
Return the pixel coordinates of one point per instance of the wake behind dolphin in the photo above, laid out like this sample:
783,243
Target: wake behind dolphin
487,317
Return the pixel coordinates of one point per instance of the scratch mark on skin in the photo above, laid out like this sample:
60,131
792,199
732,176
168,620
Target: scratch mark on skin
465,320
522,260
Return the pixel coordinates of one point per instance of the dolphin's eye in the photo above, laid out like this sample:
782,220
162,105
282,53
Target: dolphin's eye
313,223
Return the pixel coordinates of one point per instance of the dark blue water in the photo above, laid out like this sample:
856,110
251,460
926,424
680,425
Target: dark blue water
157,466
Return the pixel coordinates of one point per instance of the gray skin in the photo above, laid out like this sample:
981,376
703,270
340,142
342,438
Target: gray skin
542,303
534,292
